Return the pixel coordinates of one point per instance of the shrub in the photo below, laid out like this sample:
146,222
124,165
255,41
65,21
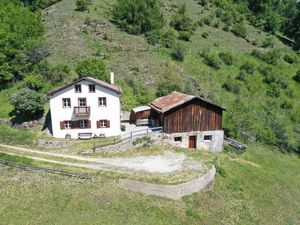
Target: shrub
185,35
207,21
273,91
92,67
27,103
34,82
291,59
211,60
231,87
123,127
153,37
248,67
81,5
226,57
241,76
178,53
268,42
271,57
239,29
169,84
168,39
136,17
226,28
204,35
297,76
181,21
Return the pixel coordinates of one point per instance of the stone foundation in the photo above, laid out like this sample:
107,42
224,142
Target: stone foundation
171,191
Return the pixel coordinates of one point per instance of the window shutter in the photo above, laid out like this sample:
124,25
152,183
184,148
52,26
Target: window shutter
98,123
107,123
62,125
89,124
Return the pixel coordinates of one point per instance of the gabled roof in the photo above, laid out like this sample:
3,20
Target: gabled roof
141,108
174,99
92,80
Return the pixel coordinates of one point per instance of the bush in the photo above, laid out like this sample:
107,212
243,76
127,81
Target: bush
231,87
297,76
178,53
210,59
168,39
169,84
92,67
27,103
181,21
226,28
137,17
204,35
123,127
248,67
226,57
291,59
185,35
220,169
239,29
81,5
34,82
153,37
268,42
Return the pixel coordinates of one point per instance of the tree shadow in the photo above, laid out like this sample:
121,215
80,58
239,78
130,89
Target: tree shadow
18,119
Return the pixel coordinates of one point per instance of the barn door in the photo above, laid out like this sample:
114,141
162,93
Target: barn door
192,141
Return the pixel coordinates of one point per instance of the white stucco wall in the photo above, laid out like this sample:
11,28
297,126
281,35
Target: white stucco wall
111,112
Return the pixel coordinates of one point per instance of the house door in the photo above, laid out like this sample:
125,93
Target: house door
192,141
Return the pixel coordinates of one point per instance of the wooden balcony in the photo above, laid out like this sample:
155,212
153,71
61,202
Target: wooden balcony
82,111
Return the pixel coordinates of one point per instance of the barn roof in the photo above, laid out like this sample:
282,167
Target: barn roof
141,108
92,80
174,99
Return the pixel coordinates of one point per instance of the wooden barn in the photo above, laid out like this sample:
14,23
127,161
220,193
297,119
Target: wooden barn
140,115
193,121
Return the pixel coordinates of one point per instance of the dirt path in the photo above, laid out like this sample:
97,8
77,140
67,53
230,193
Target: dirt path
164,163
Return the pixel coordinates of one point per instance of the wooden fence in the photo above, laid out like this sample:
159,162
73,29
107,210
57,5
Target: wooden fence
49,170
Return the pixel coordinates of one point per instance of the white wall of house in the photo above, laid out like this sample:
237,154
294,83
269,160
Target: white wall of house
110,112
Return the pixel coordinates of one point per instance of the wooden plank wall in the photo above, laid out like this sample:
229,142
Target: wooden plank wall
139,115
193,116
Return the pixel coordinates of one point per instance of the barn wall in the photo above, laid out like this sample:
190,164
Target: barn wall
193,116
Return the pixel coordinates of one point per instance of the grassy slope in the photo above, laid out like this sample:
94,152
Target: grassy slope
259,192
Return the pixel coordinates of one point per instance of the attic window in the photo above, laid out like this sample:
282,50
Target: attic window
179,139
207,137
92,88
77,88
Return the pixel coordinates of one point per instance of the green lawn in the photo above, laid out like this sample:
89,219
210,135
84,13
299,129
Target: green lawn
261,186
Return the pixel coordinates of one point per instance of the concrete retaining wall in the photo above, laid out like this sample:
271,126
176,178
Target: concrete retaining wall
171,191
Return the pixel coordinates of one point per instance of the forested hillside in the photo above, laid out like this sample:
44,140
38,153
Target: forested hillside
239,54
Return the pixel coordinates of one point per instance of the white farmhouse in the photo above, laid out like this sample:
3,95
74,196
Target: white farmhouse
85,108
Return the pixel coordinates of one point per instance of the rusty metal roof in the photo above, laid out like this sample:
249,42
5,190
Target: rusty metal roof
92,80
174,99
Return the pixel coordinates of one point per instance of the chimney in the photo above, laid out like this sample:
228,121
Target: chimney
112,77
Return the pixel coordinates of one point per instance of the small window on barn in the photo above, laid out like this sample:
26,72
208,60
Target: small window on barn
179,139
207,137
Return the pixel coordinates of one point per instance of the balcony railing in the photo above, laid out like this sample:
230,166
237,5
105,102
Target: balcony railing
82,110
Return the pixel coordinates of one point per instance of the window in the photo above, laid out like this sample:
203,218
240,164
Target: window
92,88
103,123
66,102
84,124
82,102
207,137
68,124
102,101
78,88
178,139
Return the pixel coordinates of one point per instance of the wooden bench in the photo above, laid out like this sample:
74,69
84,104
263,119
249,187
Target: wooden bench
85,136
